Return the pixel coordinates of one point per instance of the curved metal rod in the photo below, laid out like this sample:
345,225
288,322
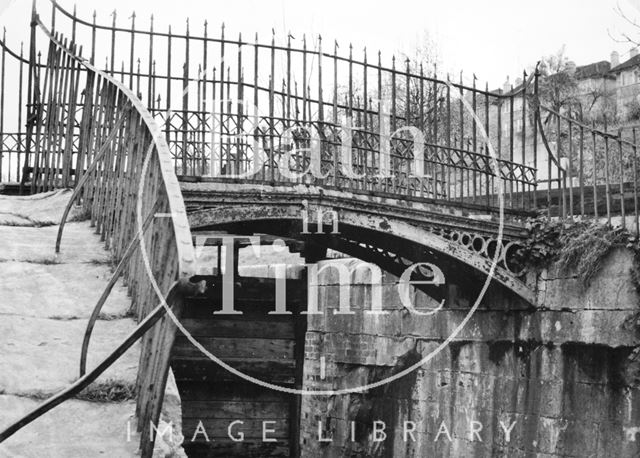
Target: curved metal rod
85,177
105,294
546,142
590,128
86,380
184,244
20,59
294,49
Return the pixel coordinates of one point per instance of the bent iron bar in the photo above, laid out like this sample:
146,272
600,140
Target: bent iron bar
117,141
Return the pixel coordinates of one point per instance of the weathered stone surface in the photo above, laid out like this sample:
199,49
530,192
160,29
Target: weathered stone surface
559,371
47,291
611,289
73,429
45,301
43,355
42,209
37,244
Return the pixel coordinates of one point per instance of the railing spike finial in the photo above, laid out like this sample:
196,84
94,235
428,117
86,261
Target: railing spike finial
95,14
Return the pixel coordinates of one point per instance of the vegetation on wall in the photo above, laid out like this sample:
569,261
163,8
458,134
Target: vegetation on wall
579,248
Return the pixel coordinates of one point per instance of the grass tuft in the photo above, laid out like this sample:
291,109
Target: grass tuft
108,391
580,248
103,316
585,251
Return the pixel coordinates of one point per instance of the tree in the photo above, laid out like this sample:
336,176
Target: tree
630,34
558,84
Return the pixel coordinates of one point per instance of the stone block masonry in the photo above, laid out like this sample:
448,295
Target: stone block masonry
558,379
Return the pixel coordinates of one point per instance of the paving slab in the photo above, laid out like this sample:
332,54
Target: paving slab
43,209
80,244
48,291
64,433
45,301
42,355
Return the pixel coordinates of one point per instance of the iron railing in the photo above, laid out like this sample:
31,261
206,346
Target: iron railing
591,172
203,89
124,180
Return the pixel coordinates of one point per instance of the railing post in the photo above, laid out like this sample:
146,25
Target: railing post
536,118
621,160
606,172
635,185
32,110
2,92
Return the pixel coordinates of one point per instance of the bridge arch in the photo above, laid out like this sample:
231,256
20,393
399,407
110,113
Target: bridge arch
375,230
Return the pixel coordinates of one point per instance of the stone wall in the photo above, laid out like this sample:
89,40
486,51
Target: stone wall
554,380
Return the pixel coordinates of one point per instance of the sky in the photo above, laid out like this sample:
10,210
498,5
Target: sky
493,38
